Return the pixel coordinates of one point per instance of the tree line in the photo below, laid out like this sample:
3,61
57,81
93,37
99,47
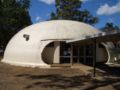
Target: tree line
14,15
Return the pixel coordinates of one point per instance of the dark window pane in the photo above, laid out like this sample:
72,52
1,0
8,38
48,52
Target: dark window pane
65,49
81,59
64,60
75,51
75,60
89,52
89,60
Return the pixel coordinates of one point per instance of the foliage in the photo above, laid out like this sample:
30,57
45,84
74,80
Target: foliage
109,26
70,10
14,16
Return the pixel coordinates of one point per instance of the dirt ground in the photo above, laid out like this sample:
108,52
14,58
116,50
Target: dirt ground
64,78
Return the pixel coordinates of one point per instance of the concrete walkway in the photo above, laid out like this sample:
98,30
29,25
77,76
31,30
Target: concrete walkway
85,68
82,67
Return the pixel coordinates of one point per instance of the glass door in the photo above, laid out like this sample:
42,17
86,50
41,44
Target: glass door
65,52
86,54
75,54
81,54
89,54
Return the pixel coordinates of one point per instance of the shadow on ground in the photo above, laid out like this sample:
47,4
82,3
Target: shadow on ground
106,81
12,77
56,81
114,71
106,70
109,76
84,82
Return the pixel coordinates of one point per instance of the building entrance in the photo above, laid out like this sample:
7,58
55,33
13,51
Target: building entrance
65,52
80,53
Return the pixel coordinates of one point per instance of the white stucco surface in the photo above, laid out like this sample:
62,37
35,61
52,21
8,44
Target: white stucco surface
28,53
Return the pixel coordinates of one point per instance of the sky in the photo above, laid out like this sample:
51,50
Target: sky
105,10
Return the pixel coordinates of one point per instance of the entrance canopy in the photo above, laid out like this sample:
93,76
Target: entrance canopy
100,37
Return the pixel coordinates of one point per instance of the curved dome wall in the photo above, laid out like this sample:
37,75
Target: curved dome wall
26,46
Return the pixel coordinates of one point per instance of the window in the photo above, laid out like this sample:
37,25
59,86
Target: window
65,49
65,52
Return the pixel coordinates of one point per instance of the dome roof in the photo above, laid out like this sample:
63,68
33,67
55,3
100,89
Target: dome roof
19,50
59,29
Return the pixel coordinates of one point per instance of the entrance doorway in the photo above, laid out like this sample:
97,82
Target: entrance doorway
81,53
65,52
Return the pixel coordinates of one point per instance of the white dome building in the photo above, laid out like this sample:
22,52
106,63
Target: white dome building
43,44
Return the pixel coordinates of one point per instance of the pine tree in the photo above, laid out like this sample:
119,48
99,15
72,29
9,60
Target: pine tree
70,10
109,26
